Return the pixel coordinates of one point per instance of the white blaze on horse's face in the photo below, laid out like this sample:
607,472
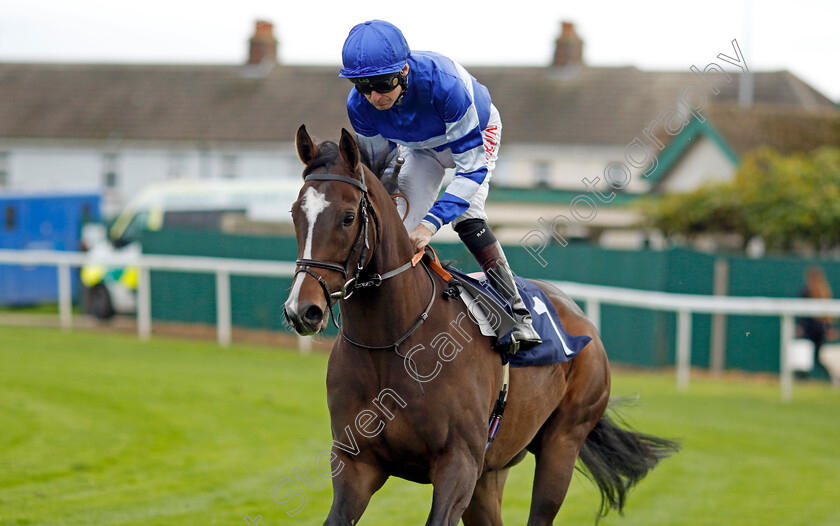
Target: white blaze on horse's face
314,202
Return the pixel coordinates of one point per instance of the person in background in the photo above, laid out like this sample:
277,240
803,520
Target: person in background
441,117
820,329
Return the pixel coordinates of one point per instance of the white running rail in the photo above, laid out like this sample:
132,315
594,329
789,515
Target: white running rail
683,305
221,267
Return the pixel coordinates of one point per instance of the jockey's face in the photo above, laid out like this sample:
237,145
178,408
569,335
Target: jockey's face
384,101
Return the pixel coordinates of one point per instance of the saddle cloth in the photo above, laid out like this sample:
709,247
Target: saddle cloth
557,344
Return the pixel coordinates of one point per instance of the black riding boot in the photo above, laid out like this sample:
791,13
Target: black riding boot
481,242
492,261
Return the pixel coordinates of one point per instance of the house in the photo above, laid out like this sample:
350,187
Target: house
568,127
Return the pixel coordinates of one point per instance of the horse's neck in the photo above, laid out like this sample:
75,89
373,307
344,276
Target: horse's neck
393,249
387,311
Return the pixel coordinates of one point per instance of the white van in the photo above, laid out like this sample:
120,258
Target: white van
235,206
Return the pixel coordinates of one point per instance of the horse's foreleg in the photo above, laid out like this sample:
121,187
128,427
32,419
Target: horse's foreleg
353,486
485,508
453,477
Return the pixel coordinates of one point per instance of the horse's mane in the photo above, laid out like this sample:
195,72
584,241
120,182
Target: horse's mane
377,166
328,153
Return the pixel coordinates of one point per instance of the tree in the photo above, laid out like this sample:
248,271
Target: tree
786,200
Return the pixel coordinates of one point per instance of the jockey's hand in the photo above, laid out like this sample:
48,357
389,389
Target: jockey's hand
420,237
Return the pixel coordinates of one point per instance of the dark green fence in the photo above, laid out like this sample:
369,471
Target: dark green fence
256,302
631,336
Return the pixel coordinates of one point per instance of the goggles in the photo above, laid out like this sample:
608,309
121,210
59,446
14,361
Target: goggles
380,84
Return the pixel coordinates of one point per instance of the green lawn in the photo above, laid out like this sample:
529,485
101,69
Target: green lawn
103,429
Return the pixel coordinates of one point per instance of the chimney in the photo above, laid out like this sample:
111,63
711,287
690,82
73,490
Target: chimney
568,50
263,45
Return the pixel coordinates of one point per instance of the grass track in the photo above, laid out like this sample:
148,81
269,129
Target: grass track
101,429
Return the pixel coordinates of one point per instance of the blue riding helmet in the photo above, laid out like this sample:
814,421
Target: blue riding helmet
373,48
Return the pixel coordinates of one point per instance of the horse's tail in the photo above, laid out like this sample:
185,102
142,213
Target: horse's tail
615,459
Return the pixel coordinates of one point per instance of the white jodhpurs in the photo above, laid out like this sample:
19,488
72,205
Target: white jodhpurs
422,176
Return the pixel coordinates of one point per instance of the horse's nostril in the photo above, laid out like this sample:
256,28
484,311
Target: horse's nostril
313,315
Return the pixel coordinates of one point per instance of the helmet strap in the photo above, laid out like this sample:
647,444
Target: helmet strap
403,81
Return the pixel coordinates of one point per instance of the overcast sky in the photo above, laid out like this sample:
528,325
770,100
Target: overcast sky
799,36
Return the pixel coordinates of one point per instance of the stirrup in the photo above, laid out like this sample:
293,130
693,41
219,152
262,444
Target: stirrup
512,344
509,347
523,327
522,344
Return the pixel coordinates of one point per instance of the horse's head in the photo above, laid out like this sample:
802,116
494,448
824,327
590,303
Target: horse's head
335,227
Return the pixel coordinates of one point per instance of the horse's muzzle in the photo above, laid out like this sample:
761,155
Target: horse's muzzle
308,320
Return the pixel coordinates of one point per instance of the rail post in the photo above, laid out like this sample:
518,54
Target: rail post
223,310
144,303
593,312
304,344
786,380
683,349
65,297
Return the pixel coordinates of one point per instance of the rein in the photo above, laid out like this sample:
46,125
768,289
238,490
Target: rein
354,283
404,337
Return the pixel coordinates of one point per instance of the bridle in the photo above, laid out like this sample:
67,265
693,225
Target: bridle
361,245
365,211
350,285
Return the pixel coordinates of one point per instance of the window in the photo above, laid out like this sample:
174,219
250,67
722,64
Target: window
87,213
138,223
229,166
10,218
110,178
4,169
177,166
542,174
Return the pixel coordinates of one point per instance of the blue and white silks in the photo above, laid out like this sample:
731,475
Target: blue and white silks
443,108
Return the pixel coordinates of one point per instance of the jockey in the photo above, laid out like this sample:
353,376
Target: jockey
437,116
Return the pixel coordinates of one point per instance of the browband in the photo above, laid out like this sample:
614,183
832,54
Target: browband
333,177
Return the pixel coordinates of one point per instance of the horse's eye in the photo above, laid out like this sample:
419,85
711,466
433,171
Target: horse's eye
348,219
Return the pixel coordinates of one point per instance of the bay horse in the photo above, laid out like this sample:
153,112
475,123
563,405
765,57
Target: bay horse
412,354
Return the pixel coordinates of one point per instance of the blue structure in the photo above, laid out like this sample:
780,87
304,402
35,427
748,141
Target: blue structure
44,222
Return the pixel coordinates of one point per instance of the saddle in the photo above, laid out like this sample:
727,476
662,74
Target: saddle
492,313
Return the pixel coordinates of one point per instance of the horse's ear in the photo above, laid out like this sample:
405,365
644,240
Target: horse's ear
306,148
349,150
